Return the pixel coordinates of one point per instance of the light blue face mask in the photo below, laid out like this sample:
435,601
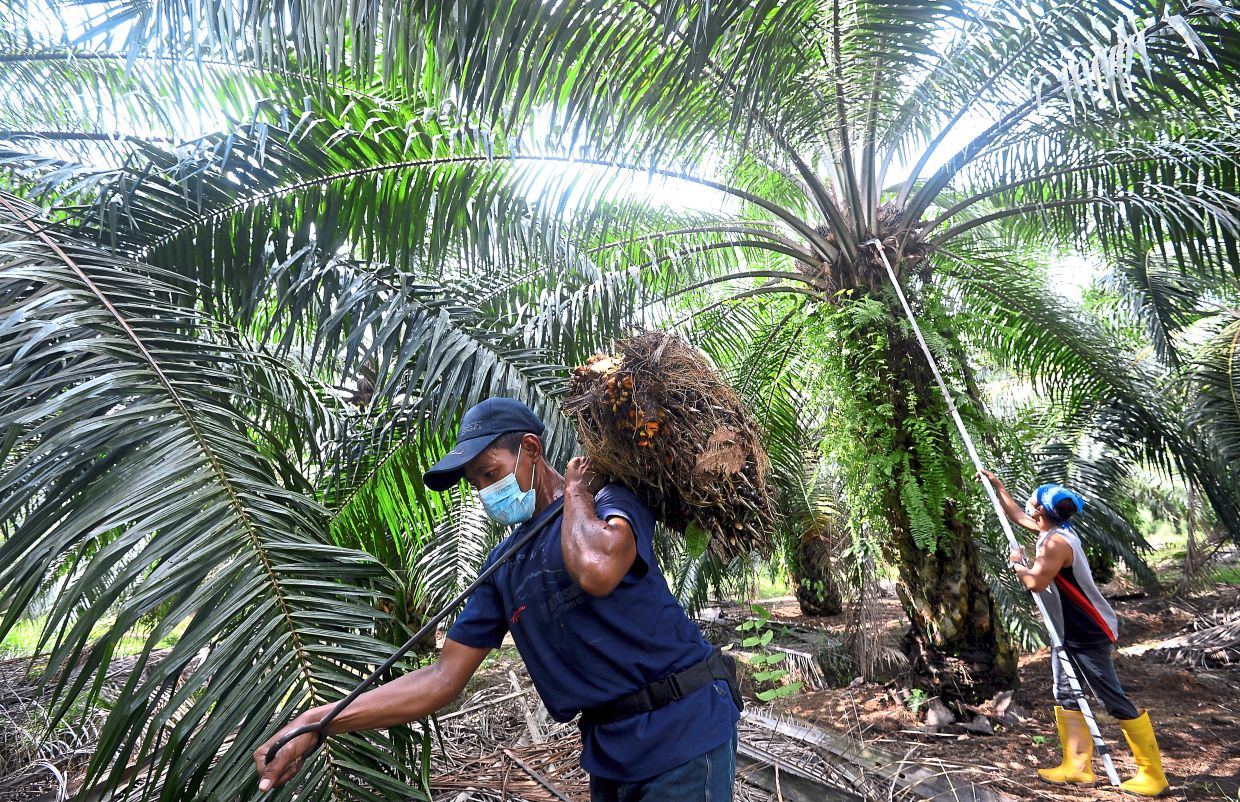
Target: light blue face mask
505,502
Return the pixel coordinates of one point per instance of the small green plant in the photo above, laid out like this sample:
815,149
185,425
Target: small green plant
1038,740
916,700
766,661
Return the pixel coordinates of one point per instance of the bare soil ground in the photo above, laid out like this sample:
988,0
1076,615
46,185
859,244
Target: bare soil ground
1196,710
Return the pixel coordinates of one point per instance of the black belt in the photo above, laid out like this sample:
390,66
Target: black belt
669,689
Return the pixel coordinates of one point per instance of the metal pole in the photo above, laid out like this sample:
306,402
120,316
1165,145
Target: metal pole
1057,649
319,728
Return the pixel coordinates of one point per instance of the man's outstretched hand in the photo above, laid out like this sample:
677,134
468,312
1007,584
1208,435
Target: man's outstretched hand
288,760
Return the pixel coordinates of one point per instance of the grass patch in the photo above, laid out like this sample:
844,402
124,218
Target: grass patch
1167,544
23,638
1227,576
767,586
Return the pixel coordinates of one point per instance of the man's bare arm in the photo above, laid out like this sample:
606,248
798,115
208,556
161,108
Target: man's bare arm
1055,554
1015,512
405,699
597,553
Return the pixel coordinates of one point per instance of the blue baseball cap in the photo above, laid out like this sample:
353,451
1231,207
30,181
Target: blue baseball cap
480,427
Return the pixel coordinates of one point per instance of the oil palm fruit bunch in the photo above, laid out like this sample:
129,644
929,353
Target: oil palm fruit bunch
657,417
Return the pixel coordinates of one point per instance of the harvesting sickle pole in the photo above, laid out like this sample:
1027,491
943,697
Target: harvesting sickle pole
319,728
1057,649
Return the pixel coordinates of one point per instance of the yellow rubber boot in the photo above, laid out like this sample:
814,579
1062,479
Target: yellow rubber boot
1078,750
1150,780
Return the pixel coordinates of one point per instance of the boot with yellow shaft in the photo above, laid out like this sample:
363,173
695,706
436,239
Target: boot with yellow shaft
1078,750
1150,780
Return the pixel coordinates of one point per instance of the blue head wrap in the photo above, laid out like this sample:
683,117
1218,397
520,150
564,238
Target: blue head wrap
1050,495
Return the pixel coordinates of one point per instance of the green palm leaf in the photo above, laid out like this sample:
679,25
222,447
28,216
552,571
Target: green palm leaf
1119,398
1215,379
123,429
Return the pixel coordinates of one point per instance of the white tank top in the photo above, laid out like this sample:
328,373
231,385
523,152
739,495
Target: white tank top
1077,582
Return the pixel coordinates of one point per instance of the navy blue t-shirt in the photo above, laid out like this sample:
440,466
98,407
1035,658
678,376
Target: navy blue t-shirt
582,651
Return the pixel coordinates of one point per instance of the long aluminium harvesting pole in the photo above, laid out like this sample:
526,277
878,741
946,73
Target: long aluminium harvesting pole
1057,649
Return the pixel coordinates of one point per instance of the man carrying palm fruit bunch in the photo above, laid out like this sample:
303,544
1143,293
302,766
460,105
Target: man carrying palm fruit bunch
1087,626
657,417
591,615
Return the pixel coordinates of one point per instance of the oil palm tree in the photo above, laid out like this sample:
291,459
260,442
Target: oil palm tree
378,214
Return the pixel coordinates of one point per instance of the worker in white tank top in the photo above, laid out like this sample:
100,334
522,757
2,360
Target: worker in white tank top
1088,628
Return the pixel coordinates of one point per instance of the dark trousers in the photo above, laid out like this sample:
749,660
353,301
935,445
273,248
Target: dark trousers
1095,669
706,778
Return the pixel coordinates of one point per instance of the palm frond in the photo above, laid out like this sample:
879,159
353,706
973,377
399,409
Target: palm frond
1120,397
1180,199
1118,79
1162,298
453,555
1214,379
126,414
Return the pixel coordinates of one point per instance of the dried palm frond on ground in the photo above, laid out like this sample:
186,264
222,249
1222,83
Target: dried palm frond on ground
37,761
492,752
534,773
660,419
1214,642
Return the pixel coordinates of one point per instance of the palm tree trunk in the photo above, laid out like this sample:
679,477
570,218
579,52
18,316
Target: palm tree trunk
956,642
818,594
1190,549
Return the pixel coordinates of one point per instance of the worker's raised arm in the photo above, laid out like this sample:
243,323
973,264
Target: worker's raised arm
597,553
1015,512
409,698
